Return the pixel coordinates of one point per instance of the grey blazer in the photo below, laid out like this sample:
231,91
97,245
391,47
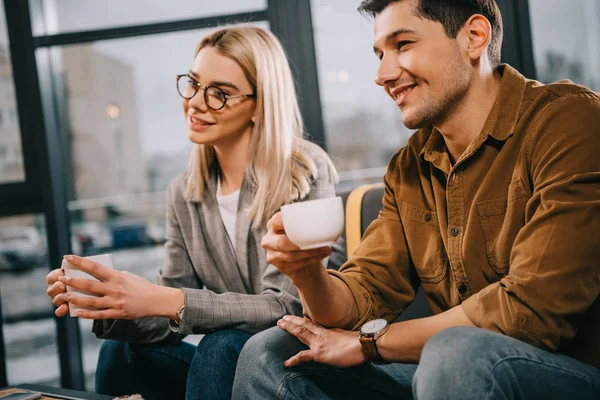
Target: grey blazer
224,288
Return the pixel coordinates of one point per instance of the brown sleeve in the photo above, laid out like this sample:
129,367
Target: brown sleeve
379,271
554,274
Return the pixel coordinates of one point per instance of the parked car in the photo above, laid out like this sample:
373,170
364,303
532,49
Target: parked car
129,234
90,237
21,248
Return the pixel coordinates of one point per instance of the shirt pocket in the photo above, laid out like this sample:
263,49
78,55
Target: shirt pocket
501,220
425,245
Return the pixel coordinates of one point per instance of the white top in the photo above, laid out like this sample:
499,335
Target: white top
228,206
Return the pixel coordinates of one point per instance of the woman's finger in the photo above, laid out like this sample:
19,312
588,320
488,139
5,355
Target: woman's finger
93,268
58,300
56,288
53,276
62,310
87,285
85,301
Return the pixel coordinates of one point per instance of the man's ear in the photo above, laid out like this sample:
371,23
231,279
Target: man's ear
477,34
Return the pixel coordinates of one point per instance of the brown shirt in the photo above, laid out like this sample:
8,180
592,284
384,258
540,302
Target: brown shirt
511,231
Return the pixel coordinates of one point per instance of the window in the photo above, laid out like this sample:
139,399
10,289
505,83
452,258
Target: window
566,40
29,329
11,165
62,16
363,126
126,140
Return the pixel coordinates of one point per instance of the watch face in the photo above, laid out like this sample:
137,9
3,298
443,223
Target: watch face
374,326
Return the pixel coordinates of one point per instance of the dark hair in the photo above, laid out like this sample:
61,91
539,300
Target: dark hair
452,14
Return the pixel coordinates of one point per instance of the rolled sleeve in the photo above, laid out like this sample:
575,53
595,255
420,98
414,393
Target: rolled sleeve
554,276
379,273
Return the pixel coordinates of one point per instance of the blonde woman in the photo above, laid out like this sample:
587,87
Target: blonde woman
249,158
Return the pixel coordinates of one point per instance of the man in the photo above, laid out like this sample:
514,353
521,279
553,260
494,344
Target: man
493,207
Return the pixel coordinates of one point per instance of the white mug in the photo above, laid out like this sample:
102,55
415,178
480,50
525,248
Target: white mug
314,223
73,272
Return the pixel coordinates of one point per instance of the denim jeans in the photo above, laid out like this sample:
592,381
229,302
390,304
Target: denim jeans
456,363
181,371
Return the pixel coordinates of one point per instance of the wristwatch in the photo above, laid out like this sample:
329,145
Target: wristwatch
175,323
369,333
180,314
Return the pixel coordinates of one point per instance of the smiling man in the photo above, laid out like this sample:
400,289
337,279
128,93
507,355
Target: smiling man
493,207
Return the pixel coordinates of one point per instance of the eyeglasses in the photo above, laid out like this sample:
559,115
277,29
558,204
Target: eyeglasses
214,97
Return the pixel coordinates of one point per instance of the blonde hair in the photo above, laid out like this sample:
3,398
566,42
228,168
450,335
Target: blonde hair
279,167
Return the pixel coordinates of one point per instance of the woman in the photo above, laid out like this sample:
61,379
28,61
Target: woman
249,158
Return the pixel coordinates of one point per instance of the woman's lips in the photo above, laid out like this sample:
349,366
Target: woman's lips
197,124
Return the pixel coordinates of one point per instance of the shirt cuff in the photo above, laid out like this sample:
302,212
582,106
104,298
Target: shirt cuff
362,299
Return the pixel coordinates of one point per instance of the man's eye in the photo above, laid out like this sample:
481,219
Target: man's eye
401,44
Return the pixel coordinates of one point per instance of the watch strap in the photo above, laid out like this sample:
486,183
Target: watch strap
369,348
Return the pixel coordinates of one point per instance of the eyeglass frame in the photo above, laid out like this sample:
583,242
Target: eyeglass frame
205,88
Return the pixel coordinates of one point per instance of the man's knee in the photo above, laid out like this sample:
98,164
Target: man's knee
456,345
266,346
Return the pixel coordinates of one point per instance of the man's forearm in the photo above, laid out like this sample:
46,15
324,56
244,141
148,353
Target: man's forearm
326,299
404,341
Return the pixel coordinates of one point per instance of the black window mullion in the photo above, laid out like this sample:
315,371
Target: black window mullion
43,142
147,29
291,21
517,49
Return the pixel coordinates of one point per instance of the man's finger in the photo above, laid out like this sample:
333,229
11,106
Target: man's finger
290,267
302,357
275,224
300,331
295,256
91,267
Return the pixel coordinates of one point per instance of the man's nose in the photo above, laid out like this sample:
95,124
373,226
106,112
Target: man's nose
388,71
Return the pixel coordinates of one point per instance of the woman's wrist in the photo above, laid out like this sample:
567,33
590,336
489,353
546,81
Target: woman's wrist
169,301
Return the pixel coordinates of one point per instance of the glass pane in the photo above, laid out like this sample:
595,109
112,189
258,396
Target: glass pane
29,329
358,115
60,16
566,40
11,156
126,141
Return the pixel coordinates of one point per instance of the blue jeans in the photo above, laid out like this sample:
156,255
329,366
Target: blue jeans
457,363
181,371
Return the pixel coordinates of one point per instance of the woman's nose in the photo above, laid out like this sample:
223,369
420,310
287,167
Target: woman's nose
198,100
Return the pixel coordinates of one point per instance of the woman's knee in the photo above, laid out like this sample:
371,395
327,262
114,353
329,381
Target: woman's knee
113,353
227,342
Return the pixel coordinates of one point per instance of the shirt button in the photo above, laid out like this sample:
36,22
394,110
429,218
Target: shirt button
462,288
427,217
454,231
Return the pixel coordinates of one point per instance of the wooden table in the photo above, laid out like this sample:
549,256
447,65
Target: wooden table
51,393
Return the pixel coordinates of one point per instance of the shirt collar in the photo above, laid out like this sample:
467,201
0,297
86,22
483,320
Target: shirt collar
501,121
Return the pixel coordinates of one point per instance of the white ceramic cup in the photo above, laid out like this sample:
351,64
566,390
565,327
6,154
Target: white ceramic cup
314,223
73,272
